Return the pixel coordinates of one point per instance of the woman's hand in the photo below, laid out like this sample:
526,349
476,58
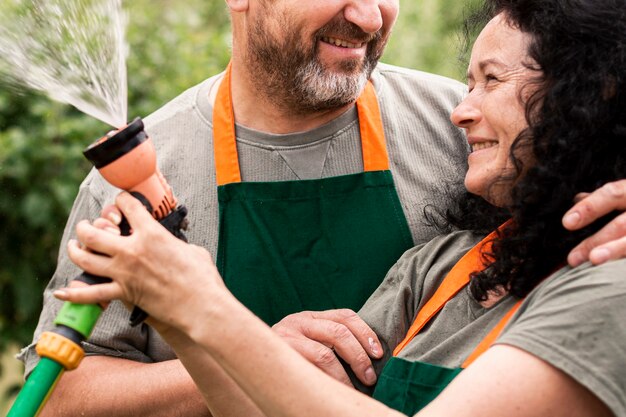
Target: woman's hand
610,241
150,268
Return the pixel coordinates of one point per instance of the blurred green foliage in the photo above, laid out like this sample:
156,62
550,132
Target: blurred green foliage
174,44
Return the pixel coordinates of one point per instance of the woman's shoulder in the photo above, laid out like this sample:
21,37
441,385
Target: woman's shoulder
451,245
585,280
576,295
423,266
426,264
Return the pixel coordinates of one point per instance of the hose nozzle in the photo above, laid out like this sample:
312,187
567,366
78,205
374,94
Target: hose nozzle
126,158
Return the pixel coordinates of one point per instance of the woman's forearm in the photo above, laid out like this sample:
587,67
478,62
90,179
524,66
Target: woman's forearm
222,395
271,373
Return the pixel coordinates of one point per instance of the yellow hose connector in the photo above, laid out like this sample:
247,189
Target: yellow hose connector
60,349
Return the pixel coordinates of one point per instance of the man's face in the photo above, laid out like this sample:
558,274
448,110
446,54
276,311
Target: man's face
312,56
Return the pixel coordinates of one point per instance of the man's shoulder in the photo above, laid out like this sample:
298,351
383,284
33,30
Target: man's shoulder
189,102
417,92
416,79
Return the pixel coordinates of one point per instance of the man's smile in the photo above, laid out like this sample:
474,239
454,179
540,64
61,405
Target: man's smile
341,42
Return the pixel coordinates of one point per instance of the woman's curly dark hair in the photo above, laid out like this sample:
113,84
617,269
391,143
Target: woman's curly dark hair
577,133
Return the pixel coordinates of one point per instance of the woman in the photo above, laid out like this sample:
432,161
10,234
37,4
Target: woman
547,98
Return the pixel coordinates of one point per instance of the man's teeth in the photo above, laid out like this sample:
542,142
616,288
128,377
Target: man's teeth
341,42
483,145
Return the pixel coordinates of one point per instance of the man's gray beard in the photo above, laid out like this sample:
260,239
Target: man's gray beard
319,90
296,81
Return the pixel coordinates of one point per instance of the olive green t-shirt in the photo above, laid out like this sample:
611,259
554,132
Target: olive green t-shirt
574,320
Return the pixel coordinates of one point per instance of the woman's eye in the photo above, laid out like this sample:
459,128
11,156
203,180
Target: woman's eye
490,77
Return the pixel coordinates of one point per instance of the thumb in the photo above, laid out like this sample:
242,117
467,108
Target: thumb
133,210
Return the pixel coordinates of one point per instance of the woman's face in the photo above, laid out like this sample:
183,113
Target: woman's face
492,114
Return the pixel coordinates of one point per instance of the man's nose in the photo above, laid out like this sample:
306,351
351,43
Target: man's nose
366,14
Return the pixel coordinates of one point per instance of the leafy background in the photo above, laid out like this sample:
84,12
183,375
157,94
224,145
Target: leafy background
174,44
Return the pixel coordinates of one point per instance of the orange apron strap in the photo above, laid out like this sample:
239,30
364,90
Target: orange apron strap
224,144
456,279
491,337
375,156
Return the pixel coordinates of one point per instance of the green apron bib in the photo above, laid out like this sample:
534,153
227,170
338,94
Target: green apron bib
290,246
410,386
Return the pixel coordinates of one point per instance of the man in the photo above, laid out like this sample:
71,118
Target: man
306,214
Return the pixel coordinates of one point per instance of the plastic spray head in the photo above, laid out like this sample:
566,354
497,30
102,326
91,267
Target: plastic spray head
126,159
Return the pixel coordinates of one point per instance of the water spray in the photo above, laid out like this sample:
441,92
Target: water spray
74,51
125,158
71,50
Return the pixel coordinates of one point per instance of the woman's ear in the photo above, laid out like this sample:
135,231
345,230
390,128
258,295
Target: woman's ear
237,5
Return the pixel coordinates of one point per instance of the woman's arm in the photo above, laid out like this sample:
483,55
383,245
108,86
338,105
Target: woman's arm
507,381
268,370
222,395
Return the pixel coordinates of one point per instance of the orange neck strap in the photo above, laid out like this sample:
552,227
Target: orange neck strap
225,148
456,280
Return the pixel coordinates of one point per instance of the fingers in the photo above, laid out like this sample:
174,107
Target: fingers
351,339
606,244
105,224
319,335
319,354
361,331
78,292
580,197
90,294
611,196
111,217
112,213
133,210
94,263
101,237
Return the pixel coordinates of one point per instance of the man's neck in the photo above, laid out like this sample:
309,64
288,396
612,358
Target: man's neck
254,111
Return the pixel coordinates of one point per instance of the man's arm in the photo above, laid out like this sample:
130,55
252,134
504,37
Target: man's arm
106,386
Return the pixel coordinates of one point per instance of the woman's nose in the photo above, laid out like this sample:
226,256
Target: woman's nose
466,113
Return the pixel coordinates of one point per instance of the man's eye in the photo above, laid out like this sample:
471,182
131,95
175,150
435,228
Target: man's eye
490,77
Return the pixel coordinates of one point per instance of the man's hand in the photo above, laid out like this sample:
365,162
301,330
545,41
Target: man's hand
610,241
321,336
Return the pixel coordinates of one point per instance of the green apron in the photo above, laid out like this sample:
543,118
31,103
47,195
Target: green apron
410,386
291,246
